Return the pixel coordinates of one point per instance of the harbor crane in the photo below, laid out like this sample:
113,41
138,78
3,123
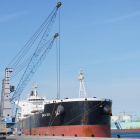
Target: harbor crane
6,101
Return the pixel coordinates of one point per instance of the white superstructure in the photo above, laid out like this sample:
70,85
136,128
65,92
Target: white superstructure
33,104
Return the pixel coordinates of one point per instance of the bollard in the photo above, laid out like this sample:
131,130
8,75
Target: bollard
45,134
34,134
92,135
75,135
62,134
39,135
118,136
53,134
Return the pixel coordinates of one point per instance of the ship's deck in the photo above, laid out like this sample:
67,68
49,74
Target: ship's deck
78,99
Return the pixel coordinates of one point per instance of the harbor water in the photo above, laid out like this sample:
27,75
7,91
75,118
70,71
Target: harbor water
129,135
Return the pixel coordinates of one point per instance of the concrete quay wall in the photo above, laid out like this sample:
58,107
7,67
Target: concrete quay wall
59,138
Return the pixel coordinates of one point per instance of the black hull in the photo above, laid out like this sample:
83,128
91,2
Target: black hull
74,113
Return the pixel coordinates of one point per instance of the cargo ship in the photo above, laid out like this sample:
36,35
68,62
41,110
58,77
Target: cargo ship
124,123
79,117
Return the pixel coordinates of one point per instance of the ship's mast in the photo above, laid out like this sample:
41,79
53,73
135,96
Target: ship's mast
35,87
82,92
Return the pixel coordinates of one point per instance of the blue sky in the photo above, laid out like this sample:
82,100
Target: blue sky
101,37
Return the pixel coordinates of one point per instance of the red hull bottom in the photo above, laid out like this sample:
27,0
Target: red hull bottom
125,130
79,130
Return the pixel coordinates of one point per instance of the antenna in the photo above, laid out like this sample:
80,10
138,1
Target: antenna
82,92
35,87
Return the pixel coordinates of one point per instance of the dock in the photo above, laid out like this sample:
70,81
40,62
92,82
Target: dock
60,138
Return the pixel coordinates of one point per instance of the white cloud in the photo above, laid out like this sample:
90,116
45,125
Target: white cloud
117,58
82,64
12,16
120,18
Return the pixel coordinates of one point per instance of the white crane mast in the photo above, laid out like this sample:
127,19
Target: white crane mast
82,92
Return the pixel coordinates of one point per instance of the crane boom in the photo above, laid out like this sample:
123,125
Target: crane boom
38,63
43,55
30,68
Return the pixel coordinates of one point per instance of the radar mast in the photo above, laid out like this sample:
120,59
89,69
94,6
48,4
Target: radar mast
82,92
35,87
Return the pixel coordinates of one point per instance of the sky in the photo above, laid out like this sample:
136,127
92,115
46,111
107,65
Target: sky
101,37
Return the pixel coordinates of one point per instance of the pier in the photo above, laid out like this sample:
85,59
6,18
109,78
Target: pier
59,138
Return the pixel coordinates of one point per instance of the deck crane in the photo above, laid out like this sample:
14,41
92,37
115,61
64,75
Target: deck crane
34,63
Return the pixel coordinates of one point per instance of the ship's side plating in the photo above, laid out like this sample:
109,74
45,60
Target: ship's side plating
81,117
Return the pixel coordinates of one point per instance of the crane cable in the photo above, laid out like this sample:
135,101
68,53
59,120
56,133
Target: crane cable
27,48
50,123
58,63
25,63
30,40
34,34
57,69
59,53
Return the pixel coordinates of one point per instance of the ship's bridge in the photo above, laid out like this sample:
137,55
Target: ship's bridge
33,104
36,99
